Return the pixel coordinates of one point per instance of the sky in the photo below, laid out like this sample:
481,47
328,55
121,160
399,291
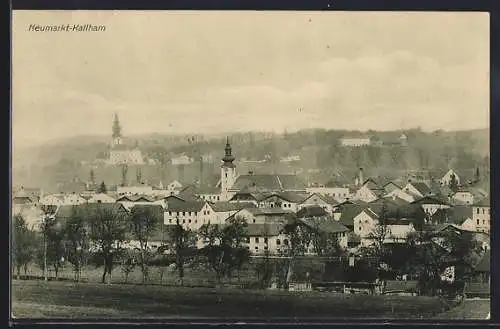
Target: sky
210,72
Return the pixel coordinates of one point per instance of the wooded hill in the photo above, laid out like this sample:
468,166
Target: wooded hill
321,156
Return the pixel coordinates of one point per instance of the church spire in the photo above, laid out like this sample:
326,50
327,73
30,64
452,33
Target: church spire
116,127
228,157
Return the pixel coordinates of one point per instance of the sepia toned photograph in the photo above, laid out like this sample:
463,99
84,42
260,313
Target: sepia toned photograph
250,165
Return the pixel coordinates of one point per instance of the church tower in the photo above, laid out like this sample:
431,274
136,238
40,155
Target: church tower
117,135
228,171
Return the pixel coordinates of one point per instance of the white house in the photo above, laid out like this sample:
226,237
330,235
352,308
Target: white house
338,193
191,214
174,186
399,193
52,200
181,160
481,216
369,191
317,200
417,189
355,142
431,204
446,179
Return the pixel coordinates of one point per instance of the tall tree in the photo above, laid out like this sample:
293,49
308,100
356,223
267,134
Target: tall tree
54,244
453,183
92,176
23,244
124,174
108,227
77,241
102,188
145,221
223,248
181,239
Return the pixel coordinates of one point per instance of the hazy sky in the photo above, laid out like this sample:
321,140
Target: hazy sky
221,71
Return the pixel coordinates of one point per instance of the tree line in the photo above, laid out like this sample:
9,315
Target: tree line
99,237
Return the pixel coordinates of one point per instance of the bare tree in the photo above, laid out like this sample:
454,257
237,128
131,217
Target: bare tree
23,244
181,239
223,249
108,229
77,241
145,221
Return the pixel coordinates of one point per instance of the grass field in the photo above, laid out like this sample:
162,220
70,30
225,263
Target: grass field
38,299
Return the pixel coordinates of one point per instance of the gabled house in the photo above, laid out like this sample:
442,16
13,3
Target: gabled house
191,214
400,194
417,189
226,209
264,215
318,200
285,200
446,179
430,204
390,187
369,191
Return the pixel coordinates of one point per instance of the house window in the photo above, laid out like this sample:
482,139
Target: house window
256,240
478,222
285,242
359,228
483,211
183,213
218,198
484,222
278,242
195,221
183,221
177,213
170,220
170,213
189,221
189,213
265,248
248,239
254,220
477,211
256,248
248,247
265,240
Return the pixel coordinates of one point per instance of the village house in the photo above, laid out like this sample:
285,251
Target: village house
430,204
224,209
265,237
355,141
325,202
417,190
369,191
264,215
340,194
446,179
481,216
327,226
285,200
190,214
